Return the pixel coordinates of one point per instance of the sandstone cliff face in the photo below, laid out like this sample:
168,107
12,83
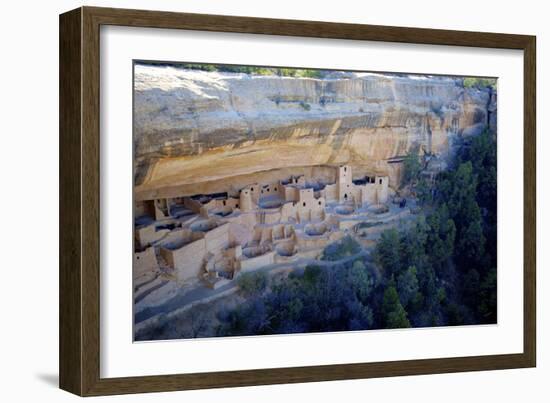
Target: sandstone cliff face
217,128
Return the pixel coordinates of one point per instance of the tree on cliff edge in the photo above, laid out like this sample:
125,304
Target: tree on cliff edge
411,167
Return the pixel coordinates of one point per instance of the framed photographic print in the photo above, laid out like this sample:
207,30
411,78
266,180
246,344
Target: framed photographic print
251,201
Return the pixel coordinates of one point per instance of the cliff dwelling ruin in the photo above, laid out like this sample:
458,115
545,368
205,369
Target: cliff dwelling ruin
213,238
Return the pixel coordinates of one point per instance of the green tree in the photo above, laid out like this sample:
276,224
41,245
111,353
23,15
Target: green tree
471,288
487,307
395,316
480,82
345,247
429,290
441,237
361,281
411,167
471,242
482,153
455,314
413,244
408,288
252,283
387,252
423,192
459,191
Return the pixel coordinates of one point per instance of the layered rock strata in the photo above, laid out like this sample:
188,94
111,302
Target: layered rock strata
211,130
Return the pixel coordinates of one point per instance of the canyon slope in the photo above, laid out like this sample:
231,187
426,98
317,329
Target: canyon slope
198,131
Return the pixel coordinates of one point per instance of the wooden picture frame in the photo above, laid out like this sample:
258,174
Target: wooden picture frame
79,346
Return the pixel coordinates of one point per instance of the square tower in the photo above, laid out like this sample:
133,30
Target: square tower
345,184
344,174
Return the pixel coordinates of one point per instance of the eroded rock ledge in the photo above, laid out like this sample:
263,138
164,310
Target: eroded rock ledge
216,129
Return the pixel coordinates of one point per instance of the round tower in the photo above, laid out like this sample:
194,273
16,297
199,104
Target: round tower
382,183
245,200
